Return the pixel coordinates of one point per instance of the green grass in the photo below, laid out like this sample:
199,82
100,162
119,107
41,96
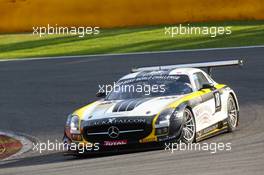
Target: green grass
124,40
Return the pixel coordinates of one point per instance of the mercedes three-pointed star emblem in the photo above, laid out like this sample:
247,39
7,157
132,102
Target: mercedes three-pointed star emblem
113,132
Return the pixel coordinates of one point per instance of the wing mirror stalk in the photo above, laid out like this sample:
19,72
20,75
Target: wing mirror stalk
101,94
208,86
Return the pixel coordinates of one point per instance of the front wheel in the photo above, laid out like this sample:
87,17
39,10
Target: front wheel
232,113
189,127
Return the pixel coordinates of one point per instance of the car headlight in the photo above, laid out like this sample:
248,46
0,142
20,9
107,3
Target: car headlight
73,123
166,115
164,118
163,123
68,121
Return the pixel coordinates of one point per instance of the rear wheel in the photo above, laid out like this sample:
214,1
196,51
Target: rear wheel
189,127
232,113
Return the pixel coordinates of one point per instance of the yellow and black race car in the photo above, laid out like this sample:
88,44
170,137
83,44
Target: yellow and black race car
155,105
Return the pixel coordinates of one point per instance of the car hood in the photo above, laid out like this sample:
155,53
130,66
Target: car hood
132,107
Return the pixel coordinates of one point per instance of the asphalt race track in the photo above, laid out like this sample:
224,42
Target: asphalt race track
36,96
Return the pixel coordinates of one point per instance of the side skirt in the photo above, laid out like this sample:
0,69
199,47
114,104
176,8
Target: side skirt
212,130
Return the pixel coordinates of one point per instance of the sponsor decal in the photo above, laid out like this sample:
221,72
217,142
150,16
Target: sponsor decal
117,121
208,129
166,138
115,142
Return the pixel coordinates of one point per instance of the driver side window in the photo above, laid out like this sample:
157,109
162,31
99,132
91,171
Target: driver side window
200,80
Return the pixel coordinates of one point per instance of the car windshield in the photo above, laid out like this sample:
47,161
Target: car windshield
150,86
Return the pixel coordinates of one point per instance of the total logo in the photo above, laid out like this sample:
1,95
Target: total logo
115,142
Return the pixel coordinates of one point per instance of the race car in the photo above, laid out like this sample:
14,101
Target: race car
156,105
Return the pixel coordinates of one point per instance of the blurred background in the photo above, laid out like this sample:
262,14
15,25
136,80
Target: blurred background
125,25
21,15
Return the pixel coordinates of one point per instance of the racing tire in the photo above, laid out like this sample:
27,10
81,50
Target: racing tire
232,112
189,127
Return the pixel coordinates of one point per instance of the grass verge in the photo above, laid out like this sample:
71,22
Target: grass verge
124,40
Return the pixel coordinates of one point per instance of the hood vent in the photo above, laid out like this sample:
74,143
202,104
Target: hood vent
128,105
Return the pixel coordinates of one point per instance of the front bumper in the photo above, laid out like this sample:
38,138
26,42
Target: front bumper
133,133
84,147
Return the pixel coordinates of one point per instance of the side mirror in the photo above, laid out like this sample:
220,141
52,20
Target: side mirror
207,86
101,94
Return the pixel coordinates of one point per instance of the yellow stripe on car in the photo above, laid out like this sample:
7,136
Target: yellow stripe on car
80,112
152,137
211,132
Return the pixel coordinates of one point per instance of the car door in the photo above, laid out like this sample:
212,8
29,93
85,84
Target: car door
210,104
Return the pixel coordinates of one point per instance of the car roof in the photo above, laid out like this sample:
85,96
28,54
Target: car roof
177,71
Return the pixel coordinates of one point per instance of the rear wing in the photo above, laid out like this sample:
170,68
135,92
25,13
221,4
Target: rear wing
207,65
